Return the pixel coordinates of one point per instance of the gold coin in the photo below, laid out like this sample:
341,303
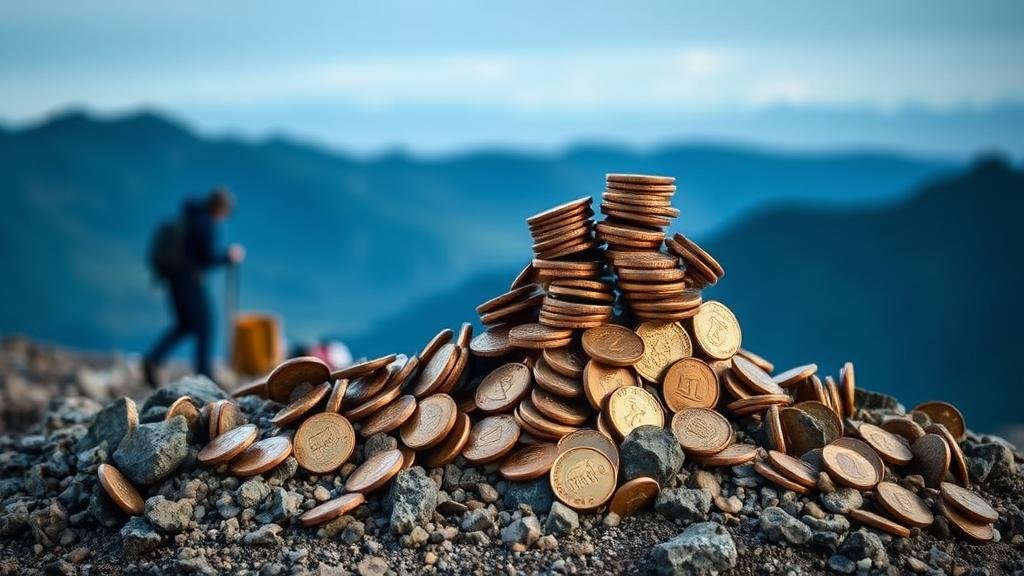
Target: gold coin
529,462
716,330
931,458
701,431
334,401
967,503
769,473
324,442
755,378
903,505
848,467
436,370
734,455
121,490
491,438
262,456
228,445
634,496
363,368
957,461
332,509
690,383
559,409
389,417
600,380
300,406
568,362
291,373
882,523
613,345
796,470
503,388
946,414
630,407
375,472
439,456
889,446
556,382
973,531
591,439
492,342
664,344
430,424
583,478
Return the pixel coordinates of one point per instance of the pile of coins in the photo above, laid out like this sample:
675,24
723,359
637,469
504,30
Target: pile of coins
606,331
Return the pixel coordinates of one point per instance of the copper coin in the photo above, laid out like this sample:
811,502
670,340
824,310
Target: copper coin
945,414
332,509
529,462
634,496
650,275
890,447
254,388
184,406
430,348
368,385
512,296
794,375
334,401
903,505
640,179
406,372
324,442
590,439
880,522
560,409
229,417
212,410
775,477
436,370
700,253
503,388
904,427
363,368
701,431
758,403
538,421
860,447
755,378
804,429
732,383
452,445
533,332
847,388
565,361
716,330
228,445
602,426
292,373
557,212
613,345
975,532
375,472
555,382
690,383
773,424
835,399
301,406
756,359
390,417
456,373
583,478
531,431
664,343
630,407
931,458
491,438
734,455
600,380
262,456
408,456
796,470
968,504
121,490
849,467
523,278
492,342
375,404
434,418
957,461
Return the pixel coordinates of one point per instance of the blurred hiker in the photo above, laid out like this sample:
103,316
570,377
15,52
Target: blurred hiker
180,253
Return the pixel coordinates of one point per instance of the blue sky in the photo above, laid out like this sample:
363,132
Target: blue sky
941,77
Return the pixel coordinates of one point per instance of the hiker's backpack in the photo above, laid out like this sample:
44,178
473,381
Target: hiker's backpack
167,249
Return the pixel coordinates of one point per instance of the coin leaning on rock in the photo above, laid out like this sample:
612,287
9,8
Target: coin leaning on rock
583,478
120,490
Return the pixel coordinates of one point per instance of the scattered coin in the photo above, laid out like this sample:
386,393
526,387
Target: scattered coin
225,447
367,386
493,342
359,369
734,455
433,419
757,359
794,375
945,414
300,406
529,462
701,431
633,496
967,503
332,509
613,345
568,362
796,470
775,477
630,407
975,532
452,445
600,380
291,373
375,472
904,427
755,378
535,335
583,478
773,423
957,461
254,388
591,439
848,467
559,409
538,422
931,458
882,523
436,370
324,442
374,404
262,456
491,438
890,447
716,330
690,383
503,388
556,382
334,401
184,406
869,454
228,417
121,490
664,344
903,505
847,388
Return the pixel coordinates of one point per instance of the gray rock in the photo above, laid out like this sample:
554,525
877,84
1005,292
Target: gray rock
651,451
48,524
411,501
102,509
842,500
865,544
252,492
940,559
778,526
561,520
524,531
702,549
536,494
167,515
372,566
687,504
268,536
478,520
997,458
14,518
869,400
111,424
378,443
841,564
200,389
138,536
284,472
281,506
835,523
151,452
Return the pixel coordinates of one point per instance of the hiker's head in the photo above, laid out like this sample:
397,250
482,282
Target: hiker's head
220,203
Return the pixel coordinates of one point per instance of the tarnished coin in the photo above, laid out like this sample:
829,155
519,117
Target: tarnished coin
975,532
931,458
591,439
967,503
775,477
806,429
491,438
613,345
529,462
436,370
847,389
363,368
946,414
301,406
324,442
600,380
334,401
868,518
121,490
503,388
664,343
291,373
560,409
568,361
689,383
734,455
375,472
389,417
228,445
903,505
904,427
634,496
701,431
796,470
890,447
957,461
492,342
630,407
449,448
262,456
583,478
332,509
716,330
434,418
794,375
755,378
848,467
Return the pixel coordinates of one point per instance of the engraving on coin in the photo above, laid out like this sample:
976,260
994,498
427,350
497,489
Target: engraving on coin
701,431
630,407
664,343
716,330
500,390
599,381
491,438
583,478
848,467
433,419
613,345
324,442
690,383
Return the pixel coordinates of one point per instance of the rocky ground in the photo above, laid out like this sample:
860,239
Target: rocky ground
54,517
